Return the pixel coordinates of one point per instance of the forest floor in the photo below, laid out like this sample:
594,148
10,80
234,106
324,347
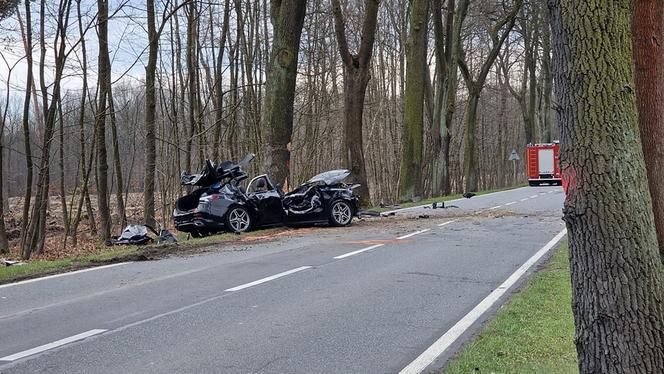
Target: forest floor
532,333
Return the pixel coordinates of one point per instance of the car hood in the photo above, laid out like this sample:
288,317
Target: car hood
330,177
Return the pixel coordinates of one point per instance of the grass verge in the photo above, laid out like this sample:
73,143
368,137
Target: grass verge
108,255
532,333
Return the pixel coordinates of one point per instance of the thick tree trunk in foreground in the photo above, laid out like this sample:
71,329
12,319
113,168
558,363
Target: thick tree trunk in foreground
410,177
287,18
356,78
614,260
648,60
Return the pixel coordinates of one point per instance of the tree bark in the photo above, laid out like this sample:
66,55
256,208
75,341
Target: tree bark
410,176
615,267
647,28
288,19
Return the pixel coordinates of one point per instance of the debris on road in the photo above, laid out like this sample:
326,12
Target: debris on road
468,195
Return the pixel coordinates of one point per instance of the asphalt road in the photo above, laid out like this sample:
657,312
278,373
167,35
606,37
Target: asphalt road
370,298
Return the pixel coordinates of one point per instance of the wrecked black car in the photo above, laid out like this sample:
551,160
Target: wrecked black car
221,203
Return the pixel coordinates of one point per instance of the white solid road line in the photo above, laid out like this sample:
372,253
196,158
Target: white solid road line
412,234
267,279
62,275
445,341
48,346
358,251
447,223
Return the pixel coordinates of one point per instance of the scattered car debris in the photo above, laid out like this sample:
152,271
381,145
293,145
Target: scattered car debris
383,205
369,213
165,237
423,216
132,235
468,195
7,262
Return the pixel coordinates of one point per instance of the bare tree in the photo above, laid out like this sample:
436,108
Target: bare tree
100,121
475,86
356,77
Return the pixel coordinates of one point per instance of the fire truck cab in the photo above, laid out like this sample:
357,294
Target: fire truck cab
543,164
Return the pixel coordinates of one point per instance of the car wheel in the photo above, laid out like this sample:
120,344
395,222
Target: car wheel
341,214
533,183
238,219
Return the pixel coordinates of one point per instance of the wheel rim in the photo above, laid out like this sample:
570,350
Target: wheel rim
239,220
341,213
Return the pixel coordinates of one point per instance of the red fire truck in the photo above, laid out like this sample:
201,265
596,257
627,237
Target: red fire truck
543,164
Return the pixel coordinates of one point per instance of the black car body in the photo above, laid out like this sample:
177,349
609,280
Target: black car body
222,204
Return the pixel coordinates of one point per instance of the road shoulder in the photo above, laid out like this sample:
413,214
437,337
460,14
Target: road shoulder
533,332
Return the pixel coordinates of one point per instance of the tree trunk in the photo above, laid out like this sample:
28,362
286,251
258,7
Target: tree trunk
647,27
288,19
100,122
470,159
355,85
26,126
150,113
122,215
356,78
547,89
410,176
614,260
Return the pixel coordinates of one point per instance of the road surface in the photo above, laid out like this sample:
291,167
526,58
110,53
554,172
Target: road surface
388,295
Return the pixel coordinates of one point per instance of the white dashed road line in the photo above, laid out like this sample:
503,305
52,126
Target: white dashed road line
495,207
447,223
445,341
412,234
358,251
48,346
524,199
533,196
267,279
510,203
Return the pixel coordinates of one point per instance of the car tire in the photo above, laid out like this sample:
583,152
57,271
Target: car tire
533,183
341,213
238,219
